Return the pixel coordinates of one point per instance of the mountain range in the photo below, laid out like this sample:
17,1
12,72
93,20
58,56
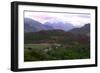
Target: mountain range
31,25
60,25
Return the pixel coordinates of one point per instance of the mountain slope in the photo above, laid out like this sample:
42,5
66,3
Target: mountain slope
60,25
83,30
31,25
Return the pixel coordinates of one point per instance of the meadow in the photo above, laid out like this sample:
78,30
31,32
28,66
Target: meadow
44,52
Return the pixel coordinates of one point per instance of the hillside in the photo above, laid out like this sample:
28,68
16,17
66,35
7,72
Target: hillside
54,36
83,30
31,25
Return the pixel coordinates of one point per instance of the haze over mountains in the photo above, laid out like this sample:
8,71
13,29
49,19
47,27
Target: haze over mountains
60,25
31,25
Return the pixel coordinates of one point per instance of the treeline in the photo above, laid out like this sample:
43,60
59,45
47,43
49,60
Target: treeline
55,36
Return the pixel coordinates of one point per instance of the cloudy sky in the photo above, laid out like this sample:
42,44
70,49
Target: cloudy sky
74,18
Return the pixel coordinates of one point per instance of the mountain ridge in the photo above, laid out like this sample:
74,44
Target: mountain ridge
31,25
83,30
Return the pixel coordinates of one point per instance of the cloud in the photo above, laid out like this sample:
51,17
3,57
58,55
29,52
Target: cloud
75,19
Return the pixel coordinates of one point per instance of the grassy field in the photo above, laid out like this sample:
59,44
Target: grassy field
42,52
